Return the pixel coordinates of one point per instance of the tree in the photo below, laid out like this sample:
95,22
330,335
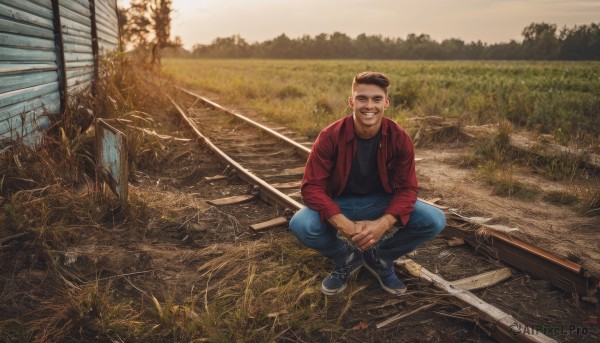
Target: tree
540,41
149,23
581,42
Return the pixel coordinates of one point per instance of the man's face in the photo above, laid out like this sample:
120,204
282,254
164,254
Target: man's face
368,103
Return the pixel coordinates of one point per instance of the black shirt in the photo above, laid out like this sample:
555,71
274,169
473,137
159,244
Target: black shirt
364,174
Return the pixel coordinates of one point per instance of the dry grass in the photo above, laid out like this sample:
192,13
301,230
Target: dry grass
60,285
48,202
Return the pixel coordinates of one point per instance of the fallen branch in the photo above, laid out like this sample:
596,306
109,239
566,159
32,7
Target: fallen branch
13,237
403,315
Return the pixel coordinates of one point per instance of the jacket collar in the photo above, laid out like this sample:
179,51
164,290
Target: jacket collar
349,121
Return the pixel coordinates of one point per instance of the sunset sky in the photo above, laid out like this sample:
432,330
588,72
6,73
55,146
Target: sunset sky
491,21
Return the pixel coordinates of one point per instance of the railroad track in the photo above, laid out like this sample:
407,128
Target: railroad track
274,164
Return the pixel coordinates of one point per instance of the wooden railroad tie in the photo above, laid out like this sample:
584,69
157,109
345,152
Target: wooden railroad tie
269,224
231,200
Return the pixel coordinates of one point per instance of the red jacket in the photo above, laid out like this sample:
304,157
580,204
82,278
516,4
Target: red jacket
329,163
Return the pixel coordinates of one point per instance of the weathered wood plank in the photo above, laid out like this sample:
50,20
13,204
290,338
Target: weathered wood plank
74,56
13,82
18,96
269,224
6,69
25,29
43,10
79,71
20,55
69,26
492,313
231,200
77,40
24,17
75,7
82,79
215,177
483,280
68,13
286,185
19,41
21,126
49,102
78,48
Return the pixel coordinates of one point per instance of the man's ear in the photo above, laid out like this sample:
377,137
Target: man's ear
351,101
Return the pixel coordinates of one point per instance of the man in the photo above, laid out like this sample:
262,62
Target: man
359,181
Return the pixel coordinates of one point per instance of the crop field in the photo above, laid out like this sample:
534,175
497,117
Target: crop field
559,98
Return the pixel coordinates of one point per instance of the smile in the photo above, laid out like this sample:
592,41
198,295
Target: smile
368,115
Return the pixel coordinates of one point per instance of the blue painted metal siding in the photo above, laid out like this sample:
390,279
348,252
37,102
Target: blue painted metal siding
107,25
29,67
76,25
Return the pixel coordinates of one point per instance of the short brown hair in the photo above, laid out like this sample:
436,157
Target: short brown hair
372,78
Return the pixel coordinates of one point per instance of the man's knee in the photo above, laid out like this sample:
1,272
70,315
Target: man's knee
305,223
439,221
430,218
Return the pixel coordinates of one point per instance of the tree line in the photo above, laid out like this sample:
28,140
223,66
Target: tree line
145,26
541,41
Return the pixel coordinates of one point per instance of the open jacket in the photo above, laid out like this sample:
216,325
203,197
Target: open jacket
330,160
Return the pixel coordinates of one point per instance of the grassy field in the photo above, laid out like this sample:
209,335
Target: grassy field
560,98
557,98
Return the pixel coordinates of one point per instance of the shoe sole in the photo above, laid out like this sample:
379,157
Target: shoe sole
328,291
385,288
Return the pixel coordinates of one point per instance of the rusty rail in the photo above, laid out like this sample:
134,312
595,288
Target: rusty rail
299,148
532,260
266,191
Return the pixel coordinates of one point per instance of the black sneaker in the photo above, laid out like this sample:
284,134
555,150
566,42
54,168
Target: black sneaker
345,267
384,272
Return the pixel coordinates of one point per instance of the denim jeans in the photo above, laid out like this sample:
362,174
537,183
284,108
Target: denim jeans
425,222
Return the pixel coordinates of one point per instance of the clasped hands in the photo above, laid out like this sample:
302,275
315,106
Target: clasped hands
365,233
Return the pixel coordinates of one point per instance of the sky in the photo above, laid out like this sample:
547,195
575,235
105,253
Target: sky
491,21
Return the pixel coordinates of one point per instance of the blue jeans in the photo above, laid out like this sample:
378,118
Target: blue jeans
425,223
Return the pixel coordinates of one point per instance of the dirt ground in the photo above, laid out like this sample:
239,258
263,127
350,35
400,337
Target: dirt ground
554,228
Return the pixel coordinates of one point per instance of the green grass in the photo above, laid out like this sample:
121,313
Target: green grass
548,97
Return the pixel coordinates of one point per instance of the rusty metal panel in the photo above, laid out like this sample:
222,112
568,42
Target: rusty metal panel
111,157
28,70
107,25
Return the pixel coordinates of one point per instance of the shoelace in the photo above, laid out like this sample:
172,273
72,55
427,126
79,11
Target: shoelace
343,271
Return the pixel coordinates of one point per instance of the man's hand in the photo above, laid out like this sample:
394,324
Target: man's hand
345,226
372,231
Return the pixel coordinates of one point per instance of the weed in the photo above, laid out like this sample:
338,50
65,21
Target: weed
504,183
561,198
290,92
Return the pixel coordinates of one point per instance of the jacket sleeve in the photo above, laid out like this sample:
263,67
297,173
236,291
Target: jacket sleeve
319,168
401,171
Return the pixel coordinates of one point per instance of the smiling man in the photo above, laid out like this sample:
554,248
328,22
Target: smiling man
360,189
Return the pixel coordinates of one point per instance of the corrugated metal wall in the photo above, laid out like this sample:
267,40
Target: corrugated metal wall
28,68
31,58
76,23
107,24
